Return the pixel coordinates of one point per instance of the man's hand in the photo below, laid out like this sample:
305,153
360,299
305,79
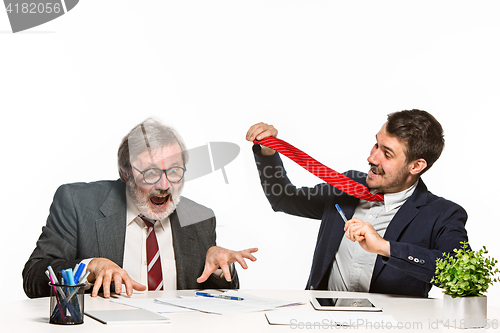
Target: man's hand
219,257
364,233
260,131
103,271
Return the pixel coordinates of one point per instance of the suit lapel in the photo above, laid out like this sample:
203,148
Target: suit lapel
191,241
330,236
181,233
177,240
403,217
111,227
184,241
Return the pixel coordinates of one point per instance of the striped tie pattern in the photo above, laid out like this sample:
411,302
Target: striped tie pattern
155,277
332,177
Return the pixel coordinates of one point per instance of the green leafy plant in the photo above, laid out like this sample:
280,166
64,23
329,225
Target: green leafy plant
465,272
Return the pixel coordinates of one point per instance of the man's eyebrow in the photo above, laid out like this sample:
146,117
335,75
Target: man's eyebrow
175,164
390,149
154,166
385,147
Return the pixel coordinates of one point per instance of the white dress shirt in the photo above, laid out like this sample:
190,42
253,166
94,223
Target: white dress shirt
135,261
353,267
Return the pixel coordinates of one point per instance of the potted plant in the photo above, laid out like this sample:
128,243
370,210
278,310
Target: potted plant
464,276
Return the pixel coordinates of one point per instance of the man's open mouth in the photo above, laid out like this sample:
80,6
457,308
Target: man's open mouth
375,170
159,200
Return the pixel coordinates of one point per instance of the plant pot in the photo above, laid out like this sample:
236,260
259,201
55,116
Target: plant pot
464,312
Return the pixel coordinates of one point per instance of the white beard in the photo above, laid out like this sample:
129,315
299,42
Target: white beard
141,201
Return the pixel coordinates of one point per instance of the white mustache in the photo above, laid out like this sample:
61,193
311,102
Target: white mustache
160,193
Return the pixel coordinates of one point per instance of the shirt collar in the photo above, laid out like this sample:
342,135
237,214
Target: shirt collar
133,214
396,200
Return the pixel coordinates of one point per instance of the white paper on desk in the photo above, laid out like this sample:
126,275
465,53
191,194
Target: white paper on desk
249,303
127,317
271,302
149,304
327,319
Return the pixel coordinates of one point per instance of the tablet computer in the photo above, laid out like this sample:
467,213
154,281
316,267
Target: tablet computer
344,304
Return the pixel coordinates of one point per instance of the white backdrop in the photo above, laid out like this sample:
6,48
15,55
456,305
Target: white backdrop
325,73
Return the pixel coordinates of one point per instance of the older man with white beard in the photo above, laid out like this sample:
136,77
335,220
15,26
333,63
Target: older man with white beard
108,226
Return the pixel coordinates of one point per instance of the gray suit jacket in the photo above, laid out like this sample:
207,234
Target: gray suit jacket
87,220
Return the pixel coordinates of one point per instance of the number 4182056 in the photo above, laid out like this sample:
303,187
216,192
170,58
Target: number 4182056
34,8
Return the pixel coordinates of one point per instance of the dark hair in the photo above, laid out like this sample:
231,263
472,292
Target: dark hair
148,135
422,133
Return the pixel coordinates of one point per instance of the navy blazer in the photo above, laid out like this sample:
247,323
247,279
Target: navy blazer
424,227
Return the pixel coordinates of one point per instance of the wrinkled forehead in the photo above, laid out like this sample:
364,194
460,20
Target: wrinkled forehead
162,157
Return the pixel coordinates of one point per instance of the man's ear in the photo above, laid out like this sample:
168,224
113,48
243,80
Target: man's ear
418,166
123,175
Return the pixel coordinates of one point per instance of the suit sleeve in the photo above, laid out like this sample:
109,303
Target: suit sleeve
56,245
446,233
282,194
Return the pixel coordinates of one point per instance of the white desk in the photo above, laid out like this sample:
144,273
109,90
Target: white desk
420,315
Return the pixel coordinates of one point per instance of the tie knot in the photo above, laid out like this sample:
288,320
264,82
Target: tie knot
150,223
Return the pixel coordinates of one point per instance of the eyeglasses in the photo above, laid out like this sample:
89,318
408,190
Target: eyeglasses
153,175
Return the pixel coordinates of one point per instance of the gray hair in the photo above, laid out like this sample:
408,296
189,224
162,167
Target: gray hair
149,135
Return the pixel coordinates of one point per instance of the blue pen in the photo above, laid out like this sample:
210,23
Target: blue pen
72,303
68,279
219,296
68,276
79,272
341,212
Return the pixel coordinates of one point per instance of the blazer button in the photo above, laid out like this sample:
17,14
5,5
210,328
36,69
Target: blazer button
422,261
410,258
416,260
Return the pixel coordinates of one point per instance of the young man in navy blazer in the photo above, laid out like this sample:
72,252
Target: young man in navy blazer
390,246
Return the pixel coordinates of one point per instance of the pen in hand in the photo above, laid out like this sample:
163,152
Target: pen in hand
341,212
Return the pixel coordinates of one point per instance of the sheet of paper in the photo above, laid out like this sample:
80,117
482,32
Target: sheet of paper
326,319
127,317
149,304
249,303
276,303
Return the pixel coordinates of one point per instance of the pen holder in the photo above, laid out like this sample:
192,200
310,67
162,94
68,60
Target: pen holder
66,304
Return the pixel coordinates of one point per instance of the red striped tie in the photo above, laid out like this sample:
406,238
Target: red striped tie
155,277
332,177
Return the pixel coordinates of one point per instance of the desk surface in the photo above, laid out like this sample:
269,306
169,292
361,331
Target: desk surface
416,314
